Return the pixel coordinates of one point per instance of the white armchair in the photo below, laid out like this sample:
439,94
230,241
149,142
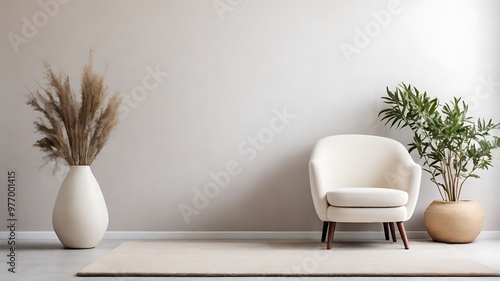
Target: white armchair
363,179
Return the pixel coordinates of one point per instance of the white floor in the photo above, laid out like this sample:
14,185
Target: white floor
47,260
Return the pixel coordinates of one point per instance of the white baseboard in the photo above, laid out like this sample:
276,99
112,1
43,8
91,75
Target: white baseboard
244,235
249,235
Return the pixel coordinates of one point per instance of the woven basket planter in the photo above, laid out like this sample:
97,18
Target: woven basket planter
454,222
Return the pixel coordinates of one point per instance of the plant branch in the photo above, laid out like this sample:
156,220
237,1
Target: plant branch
452,145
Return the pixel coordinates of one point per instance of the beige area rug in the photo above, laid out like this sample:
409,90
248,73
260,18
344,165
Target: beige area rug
284,258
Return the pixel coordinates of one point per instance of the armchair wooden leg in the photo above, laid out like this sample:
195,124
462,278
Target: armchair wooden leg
393,231
386,231
325,228
331,230
402,231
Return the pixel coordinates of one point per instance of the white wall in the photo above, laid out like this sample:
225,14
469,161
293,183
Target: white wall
229,70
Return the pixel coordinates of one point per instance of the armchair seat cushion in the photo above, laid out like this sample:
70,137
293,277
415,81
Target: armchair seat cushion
369,197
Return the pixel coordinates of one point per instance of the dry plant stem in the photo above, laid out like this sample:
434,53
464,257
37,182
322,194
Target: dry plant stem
74,130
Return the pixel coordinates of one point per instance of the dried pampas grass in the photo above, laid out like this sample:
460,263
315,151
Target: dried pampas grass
75,130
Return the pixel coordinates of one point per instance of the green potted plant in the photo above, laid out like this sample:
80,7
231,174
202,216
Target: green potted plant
75,130
453,148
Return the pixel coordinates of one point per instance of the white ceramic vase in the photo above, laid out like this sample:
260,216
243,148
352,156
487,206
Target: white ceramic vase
80,216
